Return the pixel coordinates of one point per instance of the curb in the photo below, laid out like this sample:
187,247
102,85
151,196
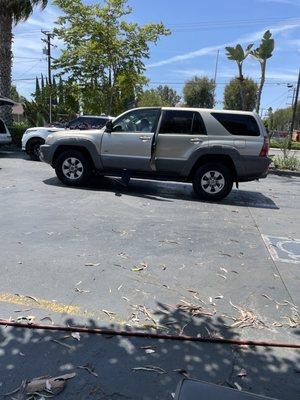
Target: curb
283,172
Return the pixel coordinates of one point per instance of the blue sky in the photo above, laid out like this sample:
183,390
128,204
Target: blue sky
199,29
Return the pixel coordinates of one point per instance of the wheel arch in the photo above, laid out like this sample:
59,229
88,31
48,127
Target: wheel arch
64,147
224,159
33,139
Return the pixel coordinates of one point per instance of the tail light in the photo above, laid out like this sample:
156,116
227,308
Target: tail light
265,149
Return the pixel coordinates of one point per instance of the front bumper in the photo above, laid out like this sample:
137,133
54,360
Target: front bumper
46,153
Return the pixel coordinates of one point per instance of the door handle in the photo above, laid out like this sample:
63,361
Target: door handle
195,140
145,138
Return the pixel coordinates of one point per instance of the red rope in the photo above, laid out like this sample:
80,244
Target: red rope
113,332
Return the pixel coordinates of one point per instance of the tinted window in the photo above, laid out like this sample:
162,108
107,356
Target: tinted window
185,122
94,123
238,124
2,127
137,121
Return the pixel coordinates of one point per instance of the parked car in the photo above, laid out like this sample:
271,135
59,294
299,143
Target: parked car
212,149
33,138
5,137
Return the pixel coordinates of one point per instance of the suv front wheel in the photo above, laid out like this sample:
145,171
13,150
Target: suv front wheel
212,181
72,168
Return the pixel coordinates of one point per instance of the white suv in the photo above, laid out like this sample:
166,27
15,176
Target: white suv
33,138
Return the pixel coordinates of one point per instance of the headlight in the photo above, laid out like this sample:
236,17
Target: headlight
49,139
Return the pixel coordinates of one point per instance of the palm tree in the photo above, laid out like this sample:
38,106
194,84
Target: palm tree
239,55
11,12
262,54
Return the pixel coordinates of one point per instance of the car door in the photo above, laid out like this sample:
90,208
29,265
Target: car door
181,132
129,145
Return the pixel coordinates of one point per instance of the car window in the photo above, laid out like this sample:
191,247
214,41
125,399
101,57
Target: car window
137,121
94,123
184,122
2,127
238,124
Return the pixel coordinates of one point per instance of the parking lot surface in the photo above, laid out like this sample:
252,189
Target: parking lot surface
148,257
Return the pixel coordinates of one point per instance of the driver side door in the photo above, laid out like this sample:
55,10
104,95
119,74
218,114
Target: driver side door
129,144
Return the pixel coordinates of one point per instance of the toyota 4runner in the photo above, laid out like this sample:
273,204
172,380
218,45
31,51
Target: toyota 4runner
212,149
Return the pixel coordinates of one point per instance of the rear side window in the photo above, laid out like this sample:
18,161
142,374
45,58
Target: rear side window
182,122
2,127
238,124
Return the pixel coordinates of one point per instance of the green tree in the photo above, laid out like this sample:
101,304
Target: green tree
239,55
199,92
262,53
169,97
149,98
15,96
11,12
232,95
103,52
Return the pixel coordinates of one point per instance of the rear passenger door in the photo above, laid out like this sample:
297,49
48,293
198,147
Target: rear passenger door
181,132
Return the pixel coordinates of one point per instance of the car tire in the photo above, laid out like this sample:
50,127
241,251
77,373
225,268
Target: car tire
73,168
34,149
212,181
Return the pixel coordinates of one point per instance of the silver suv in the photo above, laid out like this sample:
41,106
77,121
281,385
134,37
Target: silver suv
210,148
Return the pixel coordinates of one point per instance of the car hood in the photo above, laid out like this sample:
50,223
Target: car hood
92,134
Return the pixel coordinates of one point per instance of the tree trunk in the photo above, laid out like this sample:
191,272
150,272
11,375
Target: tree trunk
241,79
261,84
5,63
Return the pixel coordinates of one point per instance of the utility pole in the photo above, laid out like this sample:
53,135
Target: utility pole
216,70
294,110
48,36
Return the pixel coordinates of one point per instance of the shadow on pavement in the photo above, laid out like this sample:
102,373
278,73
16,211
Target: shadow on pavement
143,368
168,191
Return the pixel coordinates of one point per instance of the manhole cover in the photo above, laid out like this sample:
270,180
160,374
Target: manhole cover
283,249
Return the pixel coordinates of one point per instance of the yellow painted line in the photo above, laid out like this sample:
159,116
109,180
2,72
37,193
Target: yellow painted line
49,305
53,306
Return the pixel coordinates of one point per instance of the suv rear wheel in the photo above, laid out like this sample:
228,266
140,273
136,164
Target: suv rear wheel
73,168
34,148
212,181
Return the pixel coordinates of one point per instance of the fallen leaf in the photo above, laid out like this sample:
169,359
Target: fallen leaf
224,270
242,373
92,264
37,386
222,276
47,319
88,368
111,314
76,335
79,290
150,368
139,267
63,344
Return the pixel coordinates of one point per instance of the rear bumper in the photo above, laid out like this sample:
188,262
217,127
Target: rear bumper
5,139
255,167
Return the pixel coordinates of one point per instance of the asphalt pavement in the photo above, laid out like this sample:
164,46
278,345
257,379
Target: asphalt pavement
148,257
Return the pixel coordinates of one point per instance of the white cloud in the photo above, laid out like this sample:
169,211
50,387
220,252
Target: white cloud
291,2
204,51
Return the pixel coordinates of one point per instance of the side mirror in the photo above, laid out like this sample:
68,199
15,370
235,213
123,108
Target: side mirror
109,126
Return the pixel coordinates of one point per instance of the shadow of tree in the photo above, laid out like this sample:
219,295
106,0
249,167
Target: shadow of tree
123,364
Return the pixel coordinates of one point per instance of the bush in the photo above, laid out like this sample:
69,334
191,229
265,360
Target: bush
277,144
17,130
290,162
